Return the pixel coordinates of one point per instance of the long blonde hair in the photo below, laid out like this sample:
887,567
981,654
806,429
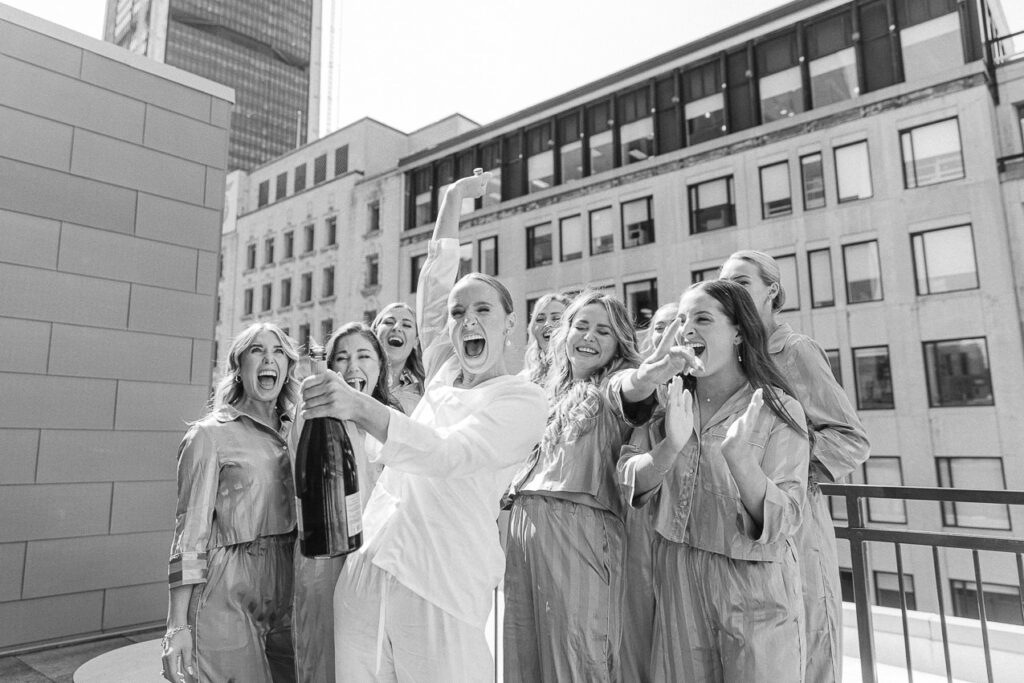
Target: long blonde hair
574,402
538,362
229,389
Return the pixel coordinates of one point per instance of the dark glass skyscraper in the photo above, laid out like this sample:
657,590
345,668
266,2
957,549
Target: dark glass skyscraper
264,49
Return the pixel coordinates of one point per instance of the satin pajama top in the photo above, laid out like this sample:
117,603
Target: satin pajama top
698,502
234,486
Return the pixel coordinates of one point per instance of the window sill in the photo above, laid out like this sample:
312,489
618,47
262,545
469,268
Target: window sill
285,309
370,290
307,254
328,299
371,234
329,247
287,259
305,304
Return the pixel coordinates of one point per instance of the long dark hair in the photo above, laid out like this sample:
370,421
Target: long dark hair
414,362
757,365
381,390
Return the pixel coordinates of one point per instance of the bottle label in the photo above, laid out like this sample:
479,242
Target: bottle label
298,516
354,510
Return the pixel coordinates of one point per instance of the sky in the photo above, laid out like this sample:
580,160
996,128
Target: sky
408,63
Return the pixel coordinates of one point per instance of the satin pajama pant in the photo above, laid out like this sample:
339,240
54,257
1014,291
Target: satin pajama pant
638,609
313,620
823,601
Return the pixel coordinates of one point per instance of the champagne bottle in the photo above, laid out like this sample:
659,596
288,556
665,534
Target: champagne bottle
327,503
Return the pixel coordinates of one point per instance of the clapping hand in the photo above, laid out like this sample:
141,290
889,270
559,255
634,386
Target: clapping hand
678,414
668,360
742,429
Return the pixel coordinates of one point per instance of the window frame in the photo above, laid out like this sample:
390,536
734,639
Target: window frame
531,238
803,180
573,256
765,215
835,165
876,459
480,254
652,288
924,259
846,271
948,509
416,262
327,282
906,580
856,378
926,343
692,192
908,133
611,230
649,202
831,278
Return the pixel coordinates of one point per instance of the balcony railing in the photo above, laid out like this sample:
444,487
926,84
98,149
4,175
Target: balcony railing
859,533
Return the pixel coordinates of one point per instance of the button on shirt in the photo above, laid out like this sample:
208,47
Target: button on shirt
698,502
234,486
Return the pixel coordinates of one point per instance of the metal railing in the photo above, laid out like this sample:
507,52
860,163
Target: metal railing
859,533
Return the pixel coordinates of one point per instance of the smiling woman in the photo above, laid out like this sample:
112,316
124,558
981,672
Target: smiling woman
395,327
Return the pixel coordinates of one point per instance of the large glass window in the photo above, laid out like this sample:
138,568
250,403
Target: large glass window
421,197
487,255
812,178
247,301
341,160
490,160
327,282
571,237
332,231
863,272
958,373
282,186
599,131
538,245
705,104
873,378
310,235
465,259
1002,603
703,274
570,147
415,266
286,292
289,244
833,62
944,260
790,281
885,470
929,37
637,223
250,256
931,154
320,169
776,195
373,216
712,205
513,173
268,251
641,300
299,179
781,84
602,235
819,264
973,473
853,172
266,297
444,175
264,194
636,131
372,278
540,159
306,293
887,590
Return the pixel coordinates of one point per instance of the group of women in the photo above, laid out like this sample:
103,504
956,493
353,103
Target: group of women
664,521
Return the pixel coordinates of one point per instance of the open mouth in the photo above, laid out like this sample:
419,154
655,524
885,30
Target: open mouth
695,346
473,344
266,379
395,341
587,351
357,383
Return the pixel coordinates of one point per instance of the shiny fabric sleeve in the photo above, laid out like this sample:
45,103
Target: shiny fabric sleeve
784,464
500,434
198,476
840,441
634,455
436,280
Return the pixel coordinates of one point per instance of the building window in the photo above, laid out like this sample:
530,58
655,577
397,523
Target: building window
944,260
958,373
776,195
300,178
327,287
490,160
247,301
790,281
307,288
929,38
812,178
705,104
415,266
973,473
444,175
863,272
637,223
712,205
540,158
304,335
833,61
599,132
373,217
602,235
571,237
853,172
819,265
289,244
846,584
885,470
282,186
778,63
636,130
320,169
641,300
216,308
570,147
513,175
487,255
872,378
332,231
421,197
250,256
264,194
341,160
1002,603
887,590
538,245
268,251
286,292
834,362
373,270
326,327
465,260
704,274
266,298
310,242
932,154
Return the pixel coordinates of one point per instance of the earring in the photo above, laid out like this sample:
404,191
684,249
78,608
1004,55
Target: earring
508,342
739,354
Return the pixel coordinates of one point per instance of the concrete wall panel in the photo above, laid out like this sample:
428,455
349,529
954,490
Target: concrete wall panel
135,605
18,456
124,79
26,621
56,402
32,512
29,240
41,50
44,295
12,563
206,273
143,506
144,405
185,137
68,455
202,361
18,140
25,344
214,188
122,257
94,352
169,221
168,312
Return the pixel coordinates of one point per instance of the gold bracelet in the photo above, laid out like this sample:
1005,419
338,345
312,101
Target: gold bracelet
165,642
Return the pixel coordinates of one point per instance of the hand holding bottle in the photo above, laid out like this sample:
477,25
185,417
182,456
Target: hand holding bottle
328,395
